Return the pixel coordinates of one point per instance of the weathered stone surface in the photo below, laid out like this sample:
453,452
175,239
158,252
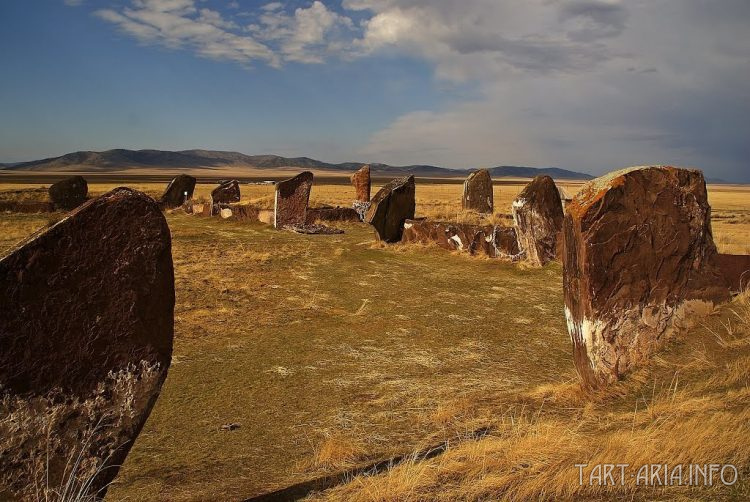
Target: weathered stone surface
638,258
361,182
86,330
361,208
391,207
179,191
292,196
313,229
491,240
245,212
736,271
226,193
538,217
69,193
225,213
199,208
478,193
331,214
266,216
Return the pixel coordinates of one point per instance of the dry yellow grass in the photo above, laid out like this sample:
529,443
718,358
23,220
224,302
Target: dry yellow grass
691,407
333,352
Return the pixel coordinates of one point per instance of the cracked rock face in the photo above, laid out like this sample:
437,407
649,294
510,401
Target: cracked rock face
86,329
493,241
638,261
361,182
226,193
179,191
69,193
391,207
538,217
292,197
478,195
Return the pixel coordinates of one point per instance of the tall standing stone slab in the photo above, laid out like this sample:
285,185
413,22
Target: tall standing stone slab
86,329
361,182
478,195
69,193
391,207
538,218
292,197
638,258
179,191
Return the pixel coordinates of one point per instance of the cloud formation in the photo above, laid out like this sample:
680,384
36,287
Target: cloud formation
584,84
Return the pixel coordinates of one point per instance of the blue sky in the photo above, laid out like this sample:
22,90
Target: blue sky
589,85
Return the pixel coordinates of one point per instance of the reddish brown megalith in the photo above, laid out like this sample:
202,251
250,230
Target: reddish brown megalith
69,193
226,193
478,195
638,258
361,182
391,207
292,197
493,241
538,218
86,328
179,191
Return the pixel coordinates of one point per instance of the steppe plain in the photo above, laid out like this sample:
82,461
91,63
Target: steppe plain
333,351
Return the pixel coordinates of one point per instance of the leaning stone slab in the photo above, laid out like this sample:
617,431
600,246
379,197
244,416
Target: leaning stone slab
179,191
69,193
292,197
538,218
391,207
493,241
361,182
638,260
226,193
86,330
478,194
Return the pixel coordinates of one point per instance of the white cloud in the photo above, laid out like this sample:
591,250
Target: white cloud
586,84
73,3
583,84
307,36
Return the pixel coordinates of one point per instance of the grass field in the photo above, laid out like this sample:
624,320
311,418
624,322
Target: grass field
333,351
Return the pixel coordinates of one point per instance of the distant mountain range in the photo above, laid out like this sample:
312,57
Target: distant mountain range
112,160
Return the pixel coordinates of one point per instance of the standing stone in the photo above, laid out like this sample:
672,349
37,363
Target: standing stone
179,191
391,207
361,182
69,193
538,217
292,196
478,195
638,257
227,192
86,330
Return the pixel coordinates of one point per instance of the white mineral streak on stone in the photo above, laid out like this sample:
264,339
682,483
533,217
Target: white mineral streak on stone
226,213
408,225
276,207
458,242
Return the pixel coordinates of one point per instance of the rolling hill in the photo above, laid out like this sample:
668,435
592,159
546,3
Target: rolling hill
119,159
